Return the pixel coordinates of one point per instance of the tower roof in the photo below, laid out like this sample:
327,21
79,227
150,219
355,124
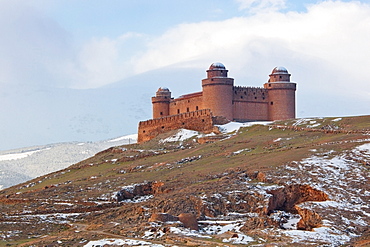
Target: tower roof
217,66
163,89
279,70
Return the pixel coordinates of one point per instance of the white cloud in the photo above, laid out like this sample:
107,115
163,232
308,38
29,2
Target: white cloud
36,51
325,48
32,46
102,61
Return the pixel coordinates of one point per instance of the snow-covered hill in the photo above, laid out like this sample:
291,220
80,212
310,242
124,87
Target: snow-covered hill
20,165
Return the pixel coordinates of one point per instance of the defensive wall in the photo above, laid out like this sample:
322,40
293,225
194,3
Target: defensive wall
186,103
250,103
196,120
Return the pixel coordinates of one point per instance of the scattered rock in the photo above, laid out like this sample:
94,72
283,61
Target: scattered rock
309,219
162,217
189,220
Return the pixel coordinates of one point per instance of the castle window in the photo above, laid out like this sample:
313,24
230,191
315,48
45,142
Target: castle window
241,97
236,92
196,108
255,97
271,103
212,79
165,97
178,111
280,77
203,120
263,97
245,93
162,127
143,131
161,113
187,109
183,123
269,84
188,100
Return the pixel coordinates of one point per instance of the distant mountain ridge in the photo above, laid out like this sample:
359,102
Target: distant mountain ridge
20,165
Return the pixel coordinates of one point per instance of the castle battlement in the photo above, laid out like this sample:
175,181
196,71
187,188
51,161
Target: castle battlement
182,116
200,120
220,99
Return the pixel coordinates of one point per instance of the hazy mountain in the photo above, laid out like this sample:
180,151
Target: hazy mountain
20,165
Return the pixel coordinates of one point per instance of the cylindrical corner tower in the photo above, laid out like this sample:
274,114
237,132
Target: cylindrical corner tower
161,103
218,91
281,95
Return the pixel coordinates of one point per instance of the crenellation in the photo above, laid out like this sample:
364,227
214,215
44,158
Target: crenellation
221,100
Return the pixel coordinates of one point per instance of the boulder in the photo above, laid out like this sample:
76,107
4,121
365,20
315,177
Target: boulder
162,217
189,220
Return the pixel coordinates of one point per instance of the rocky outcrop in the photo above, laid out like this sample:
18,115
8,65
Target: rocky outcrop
150,188
287,199
309,219
162,217
189,220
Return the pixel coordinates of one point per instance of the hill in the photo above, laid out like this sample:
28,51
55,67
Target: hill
301,182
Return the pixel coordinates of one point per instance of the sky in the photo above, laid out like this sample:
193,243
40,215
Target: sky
56,56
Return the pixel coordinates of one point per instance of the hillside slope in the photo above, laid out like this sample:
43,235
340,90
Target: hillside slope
302,182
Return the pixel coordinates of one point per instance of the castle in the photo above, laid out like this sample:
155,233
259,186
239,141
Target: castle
220,100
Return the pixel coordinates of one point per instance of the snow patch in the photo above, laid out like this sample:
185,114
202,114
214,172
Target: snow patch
234,126
323,234
187,232
181,135
120,242
337,119
131,138
16,156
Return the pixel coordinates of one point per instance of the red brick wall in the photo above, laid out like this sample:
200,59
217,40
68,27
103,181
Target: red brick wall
186,104
218,96
197,120
245,111
250,103
281,98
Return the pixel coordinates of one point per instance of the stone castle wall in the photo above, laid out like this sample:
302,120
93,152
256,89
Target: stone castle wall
196,120
250,103
186,103
281,100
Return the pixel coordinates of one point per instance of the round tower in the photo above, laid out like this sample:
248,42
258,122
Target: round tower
218,91
281,95
161,103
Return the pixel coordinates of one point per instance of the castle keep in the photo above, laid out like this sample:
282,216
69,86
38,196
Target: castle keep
220,100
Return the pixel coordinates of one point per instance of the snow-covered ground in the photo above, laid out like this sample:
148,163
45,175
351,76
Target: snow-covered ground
121,242
20,165
232,127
